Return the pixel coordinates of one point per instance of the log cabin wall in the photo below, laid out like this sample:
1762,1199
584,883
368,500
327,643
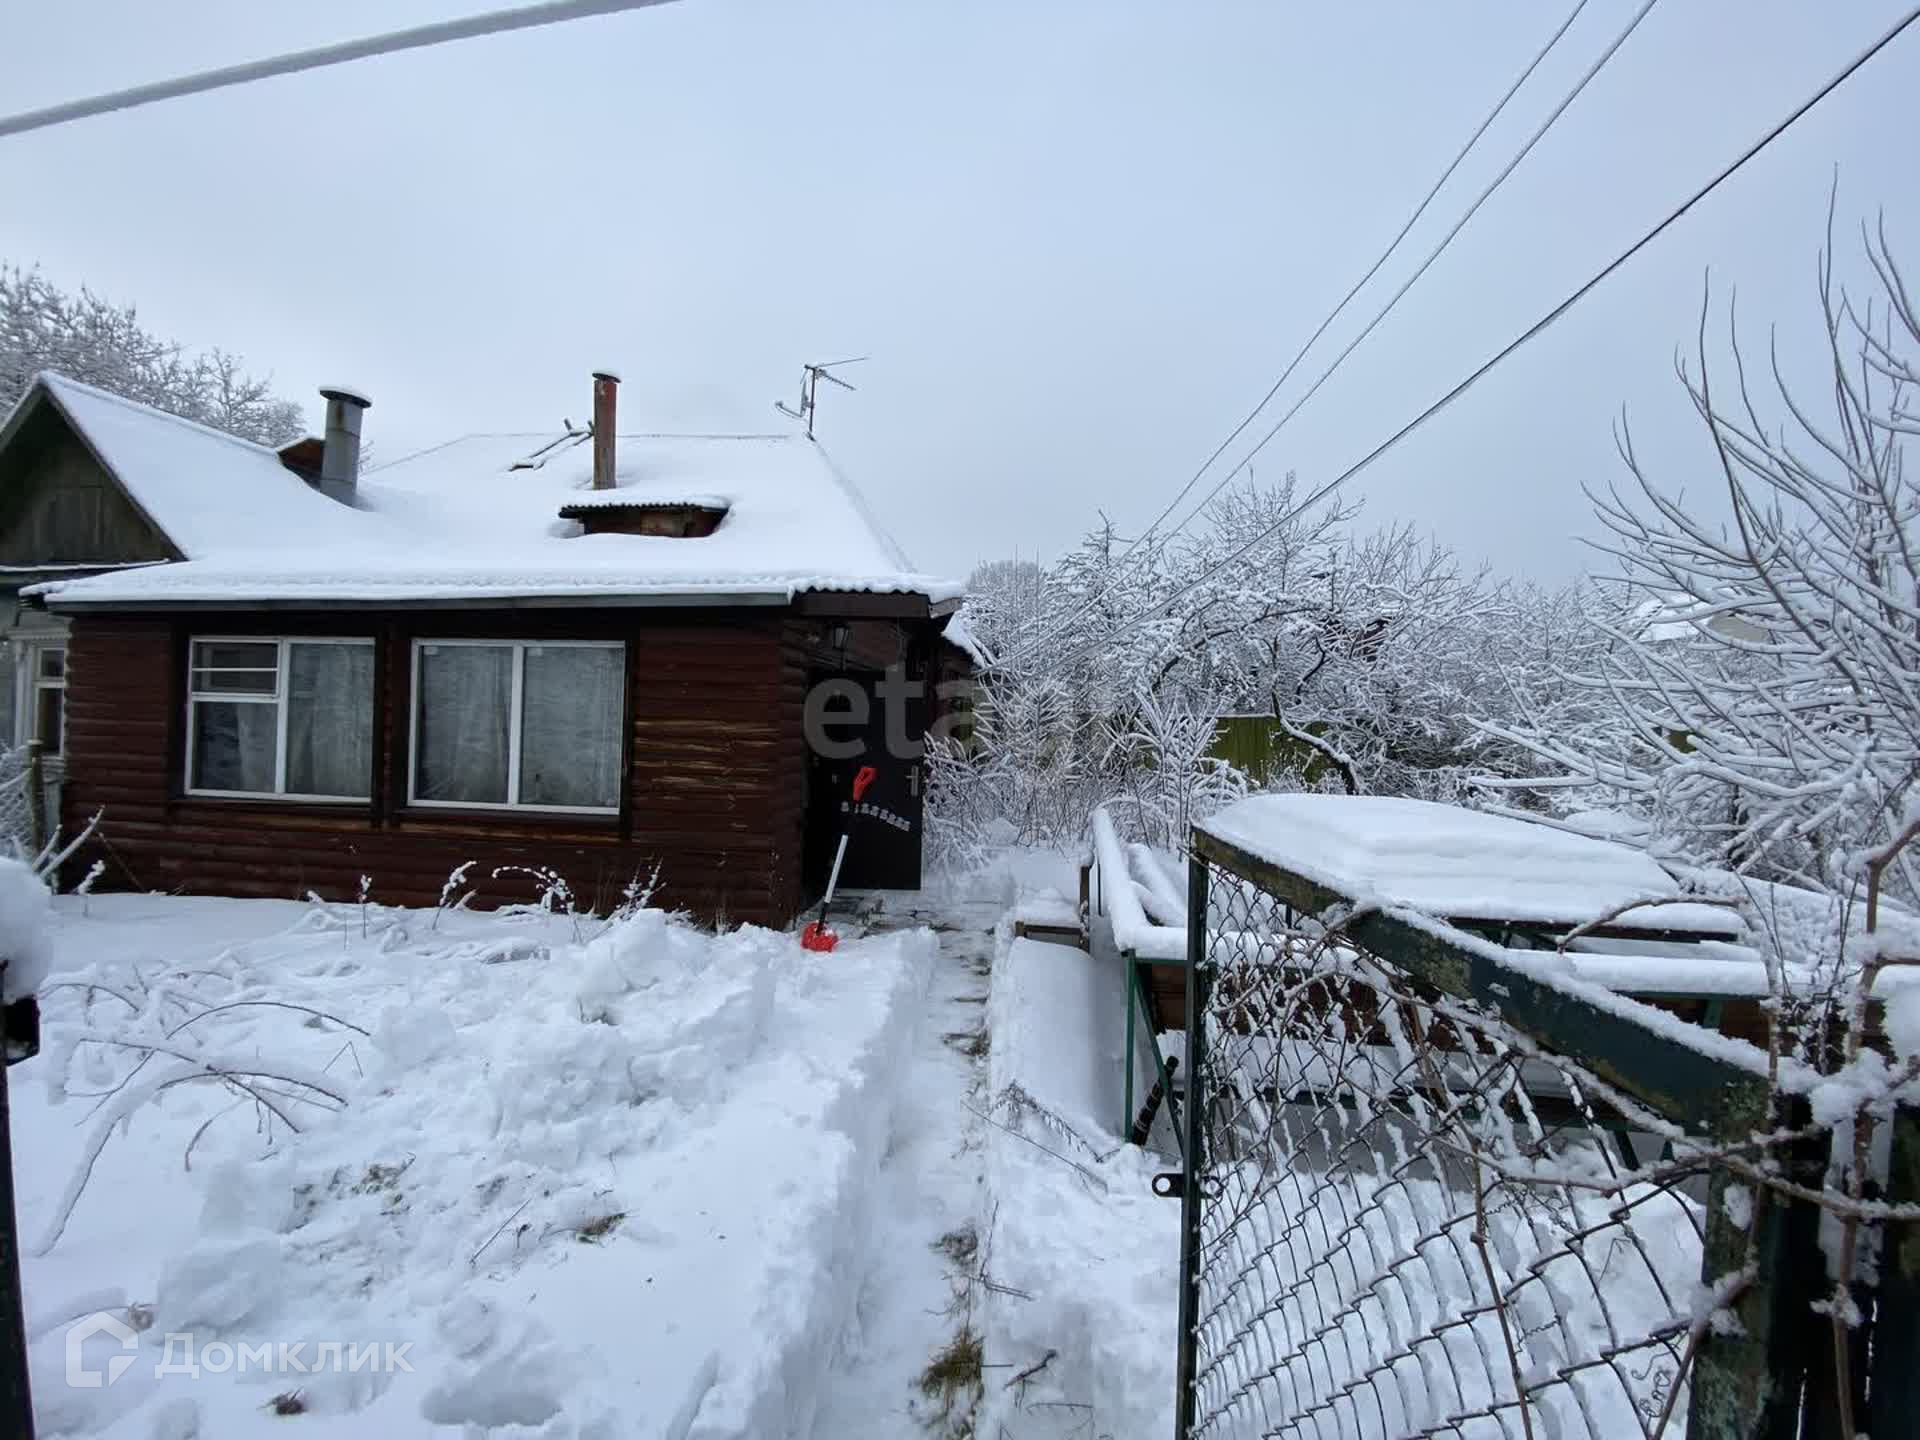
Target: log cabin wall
712,791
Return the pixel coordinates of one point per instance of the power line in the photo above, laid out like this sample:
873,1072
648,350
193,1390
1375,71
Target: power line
1526,336
1373,269
494,22
1427,264
1446,241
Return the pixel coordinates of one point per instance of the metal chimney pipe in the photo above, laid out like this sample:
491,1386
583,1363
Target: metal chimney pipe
606,391
340,450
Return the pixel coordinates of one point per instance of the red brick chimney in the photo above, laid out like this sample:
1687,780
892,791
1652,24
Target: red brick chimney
606,391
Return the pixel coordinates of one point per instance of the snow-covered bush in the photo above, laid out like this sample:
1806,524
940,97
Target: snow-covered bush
1761,677
25,908
1164,776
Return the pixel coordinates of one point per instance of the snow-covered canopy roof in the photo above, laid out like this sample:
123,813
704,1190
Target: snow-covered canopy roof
478,519
1460,864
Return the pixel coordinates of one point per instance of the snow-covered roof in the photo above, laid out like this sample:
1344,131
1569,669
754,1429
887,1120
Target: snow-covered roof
478,518
211,493
1460,864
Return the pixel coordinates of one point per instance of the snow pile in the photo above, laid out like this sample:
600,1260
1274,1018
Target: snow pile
610,1186
1460,864
24,907
1082,1258
1147,915
1048,909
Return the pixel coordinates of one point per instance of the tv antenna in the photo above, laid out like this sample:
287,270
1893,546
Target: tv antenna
810,378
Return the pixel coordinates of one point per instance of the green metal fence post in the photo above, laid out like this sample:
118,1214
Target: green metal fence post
1749,1385
1126,1055
1894,1403
1186,1366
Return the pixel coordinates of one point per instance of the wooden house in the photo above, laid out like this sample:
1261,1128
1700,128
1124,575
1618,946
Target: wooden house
588,652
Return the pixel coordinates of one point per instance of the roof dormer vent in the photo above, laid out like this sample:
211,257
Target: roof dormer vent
679,519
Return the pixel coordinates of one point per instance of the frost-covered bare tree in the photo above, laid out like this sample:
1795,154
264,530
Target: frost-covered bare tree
1111,668
1003,601
1380,667
1765,699
1762,677
94,340
1163,772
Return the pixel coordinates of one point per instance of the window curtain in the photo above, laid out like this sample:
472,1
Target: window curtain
233,745
329,720
571,708
465,710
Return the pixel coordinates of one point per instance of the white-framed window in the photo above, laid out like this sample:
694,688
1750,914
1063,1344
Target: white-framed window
40,698
518,724
280,718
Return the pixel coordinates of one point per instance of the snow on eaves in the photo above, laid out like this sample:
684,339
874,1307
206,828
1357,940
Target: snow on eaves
406,579
960,634
479,518
1459,864
623,500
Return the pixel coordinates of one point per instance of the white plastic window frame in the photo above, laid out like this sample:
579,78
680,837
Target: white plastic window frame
29,680
278,699
515,720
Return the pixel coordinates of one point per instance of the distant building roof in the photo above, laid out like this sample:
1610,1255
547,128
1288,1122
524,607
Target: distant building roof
478,518
1455,863
1663,618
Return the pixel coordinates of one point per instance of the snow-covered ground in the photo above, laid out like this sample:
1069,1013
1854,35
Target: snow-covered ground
912,1297
1072,1282
551,1178
579,1178
1083,1258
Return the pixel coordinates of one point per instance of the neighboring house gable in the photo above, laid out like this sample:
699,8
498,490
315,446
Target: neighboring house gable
150,486
61,508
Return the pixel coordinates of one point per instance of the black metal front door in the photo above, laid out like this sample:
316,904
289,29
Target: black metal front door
869,786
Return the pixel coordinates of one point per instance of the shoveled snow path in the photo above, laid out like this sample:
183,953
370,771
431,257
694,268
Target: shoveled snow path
930,1184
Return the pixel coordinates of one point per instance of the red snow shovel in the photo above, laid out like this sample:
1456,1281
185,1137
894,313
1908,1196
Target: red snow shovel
817,936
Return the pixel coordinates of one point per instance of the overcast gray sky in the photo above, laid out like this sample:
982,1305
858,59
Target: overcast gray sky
1078,239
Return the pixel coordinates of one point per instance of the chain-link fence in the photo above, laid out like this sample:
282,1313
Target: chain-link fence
1428,1193
16,810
